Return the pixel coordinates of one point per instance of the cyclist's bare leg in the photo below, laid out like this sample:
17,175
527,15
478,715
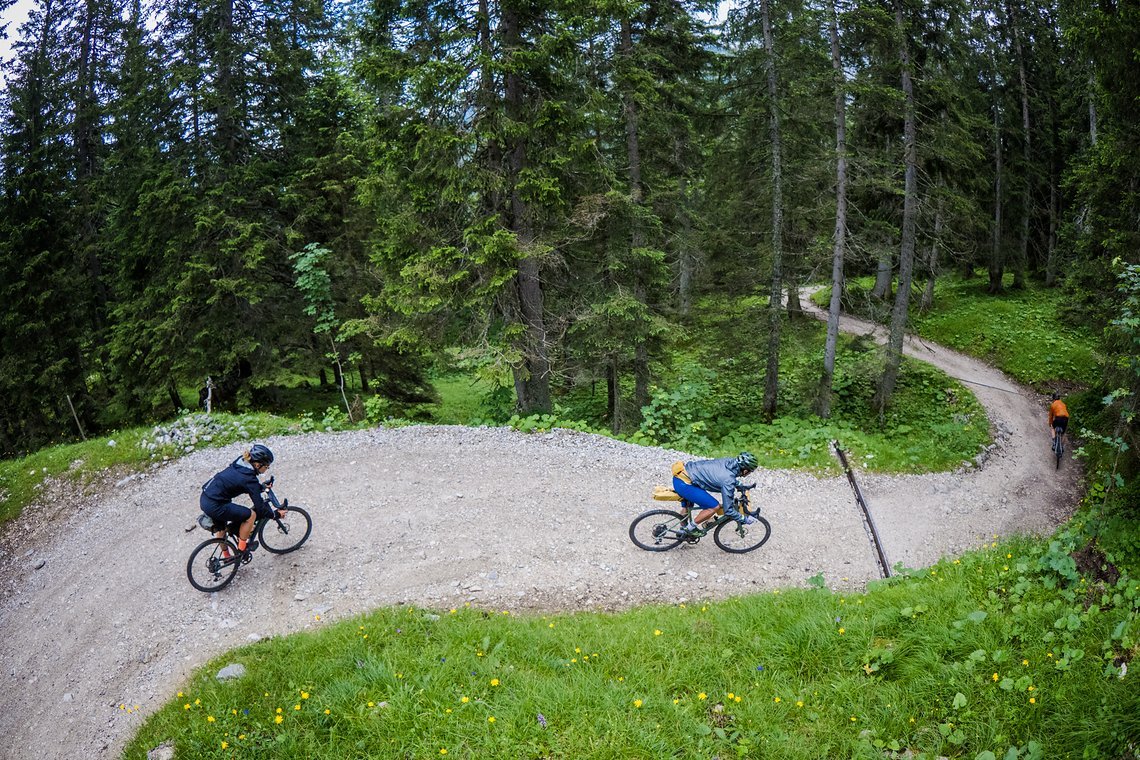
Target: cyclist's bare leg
703,515
246,528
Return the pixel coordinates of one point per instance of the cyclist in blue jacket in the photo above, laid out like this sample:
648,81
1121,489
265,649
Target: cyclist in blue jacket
239,478
694,480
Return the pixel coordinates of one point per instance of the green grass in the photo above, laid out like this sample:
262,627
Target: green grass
461,399
710,398
22,479
1022,332
994,652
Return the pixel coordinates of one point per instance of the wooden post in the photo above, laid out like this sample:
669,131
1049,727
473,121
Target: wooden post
76,416
881,556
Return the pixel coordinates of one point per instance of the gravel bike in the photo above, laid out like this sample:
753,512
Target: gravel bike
659,530
1058,443
214,563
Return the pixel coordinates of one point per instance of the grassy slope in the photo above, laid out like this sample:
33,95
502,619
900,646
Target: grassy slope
1009,650
971,656
1022,332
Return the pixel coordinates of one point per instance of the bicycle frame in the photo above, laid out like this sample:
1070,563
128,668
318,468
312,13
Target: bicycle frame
740,500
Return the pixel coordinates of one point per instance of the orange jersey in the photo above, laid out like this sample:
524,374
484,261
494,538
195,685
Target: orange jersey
1057,409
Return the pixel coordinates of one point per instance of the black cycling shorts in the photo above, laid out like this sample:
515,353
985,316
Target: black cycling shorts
226,513
1061,423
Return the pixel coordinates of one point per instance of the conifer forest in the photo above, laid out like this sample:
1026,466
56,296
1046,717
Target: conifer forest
271,192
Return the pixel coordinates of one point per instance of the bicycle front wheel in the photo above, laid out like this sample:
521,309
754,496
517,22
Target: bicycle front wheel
213,565
657,530
282,535
738,539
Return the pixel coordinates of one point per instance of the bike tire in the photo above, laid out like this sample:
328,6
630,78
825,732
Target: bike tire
286,534
657,530
213,564
735,538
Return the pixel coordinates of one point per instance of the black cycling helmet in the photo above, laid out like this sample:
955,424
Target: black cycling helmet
746,460
1056,396
259,454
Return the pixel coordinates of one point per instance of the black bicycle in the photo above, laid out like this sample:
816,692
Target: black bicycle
660,530
214,563
1058,443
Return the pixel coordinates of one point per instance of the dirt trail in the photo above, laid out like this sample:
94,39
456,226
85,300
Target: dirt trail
101,627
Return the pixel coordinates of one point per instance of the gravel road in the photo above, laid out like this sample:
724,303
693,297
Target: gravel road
101,626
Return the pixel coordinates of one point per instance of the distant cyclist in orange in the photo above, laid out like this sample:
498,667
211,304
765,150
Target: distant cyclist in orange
1058,416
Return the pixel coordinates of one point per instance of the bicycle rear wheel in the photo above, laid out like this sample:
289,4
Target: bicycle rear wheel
282,535
738,539
657,530
1058,446
213,564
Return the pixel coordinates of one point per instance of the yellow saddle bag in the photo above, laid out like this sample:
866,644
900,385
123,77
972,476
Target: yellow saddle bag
664,493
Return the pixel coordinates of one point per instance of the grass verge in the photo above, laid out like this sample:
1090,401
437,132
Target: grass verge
1007,652
1022,332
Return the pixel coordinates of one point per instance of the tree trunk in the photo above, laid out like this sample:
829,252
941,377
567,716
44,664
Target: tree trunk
686,257
883,275
795,308
637,233
997,255
775,311
175,396
839,237
906,250
532,375
1051,244
227,86
486,104
86,137
932,258
613,394
1022,262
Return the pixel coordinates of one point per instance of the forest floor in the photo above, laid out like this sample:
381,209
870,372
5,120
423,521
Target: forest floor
100,626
